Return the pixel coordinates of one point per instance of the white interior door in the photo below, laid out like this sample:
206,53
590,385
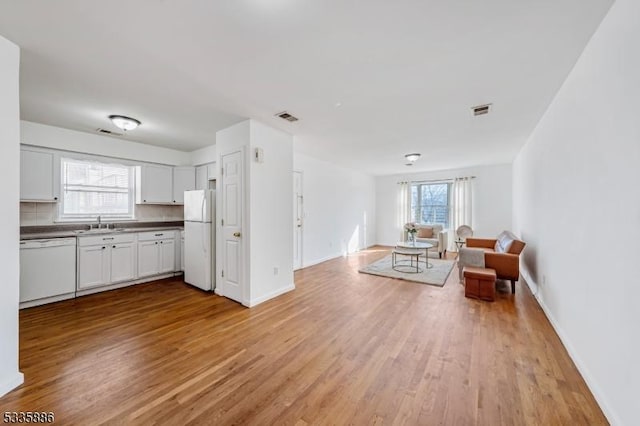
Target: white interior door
231,199
297,220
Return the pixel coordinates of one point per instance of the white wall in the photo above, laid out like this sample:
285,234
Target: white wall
491,208
70,140
205,155
10,377
271,213
339,209
576,205
268,209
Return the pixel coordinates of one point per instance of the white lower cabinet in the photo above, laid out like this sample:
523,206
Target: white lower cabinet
167,256
93,266
156,253
148,258
118,258
106,259
123,262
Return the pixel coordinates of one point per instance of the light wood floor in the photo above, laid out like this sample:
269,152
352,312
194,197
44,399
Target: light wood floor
343,348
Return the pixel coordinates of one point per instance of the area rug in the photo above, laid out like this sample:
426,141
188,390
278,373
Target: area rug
437,275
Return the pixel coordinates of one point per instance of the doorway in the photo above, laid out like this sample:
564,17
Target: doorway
232,251
297,220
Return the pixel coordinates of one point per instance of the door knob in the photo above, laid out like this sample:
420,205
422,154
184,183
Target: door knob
236,234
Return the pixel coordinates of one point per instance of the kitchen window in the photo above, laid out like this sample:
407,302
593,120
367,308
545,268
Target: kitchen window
430,203
92,188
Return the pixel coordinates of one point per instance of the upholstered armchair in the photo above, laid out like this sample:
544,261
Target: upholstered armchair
433,234
501,254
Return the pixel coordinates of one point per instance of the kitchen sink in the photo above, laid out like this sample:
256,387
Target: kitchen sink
98,231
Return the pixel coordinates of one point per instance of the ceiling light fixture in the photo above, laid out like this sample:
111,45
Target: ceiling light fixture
124,123
412,157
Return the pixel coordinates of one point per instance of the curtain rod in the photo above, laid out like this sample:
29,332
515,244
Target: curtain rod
439,180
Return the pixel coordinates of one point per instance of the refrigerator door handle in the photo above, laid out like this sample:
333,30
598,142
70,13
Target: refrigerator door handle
202,238
204,199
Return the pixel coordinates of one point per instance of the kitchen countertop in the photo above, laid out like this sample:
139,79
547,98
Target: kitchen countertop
80,234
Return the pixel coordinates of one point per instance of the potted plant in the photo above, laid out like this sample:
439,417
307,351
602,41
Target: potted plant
411,228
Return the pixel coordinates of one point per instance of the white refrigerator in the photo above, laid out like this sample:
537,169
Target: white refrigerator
199,238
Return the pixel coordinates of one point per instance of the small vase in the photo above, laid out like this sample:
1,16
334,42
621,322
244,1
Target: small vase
412,237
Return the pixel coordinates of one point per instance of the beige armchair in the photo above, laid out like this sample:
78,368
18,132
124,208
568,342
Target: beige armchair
433,234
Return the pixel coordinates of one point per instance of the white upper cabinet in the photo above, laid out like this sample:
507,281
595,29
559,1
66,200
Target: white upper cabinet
204,174
39,176
154,184
184,179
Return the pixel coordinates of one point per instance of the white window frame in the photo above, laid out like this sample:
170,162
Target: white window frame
62,217
415,217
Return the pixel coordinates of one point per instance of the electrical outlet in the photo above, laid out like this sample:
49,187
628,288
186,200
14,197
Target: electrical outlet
275,270
544,280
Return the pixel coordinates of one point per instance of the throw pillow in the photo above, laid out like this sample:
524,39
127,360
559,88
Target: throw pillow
425,232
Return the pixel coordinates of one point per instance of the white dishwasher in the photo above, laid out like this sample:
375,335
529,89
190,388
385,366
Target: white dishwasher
47,270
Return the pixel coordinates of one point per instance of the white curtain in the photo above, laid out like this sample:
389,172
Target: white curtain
461,206
404,207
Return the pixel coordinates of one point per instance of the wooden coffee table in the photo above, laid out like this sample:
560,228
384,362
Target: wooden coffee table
418,247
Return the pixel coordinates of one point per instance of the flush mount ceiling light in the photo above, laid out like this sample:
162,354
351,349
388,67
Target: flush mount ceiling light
412,157
124,123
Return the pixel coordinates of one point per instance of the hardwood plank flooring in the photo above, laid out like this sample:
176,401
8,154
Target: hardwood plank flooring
343,348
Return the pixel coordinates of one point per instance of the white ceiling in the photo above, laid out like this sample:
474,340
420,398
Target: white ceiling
406,72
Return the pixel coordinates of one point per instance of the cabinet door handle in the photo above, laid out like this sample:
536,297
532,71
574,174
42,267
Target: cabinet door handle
161,242
113,246
156,242
236,234
159,235
103,247
55,198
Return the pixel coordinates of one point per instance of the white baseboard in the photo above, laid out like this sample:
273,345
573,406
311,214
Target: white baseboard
566,342
46,300
332,256
269,296
143,280
11,383
321,260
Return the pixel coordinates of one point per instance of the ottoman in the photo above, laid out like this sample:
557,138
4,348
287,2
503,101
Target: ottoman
479,283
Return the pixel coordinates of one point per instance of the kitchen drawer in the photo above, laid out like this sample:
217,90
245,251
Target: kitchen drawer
156,235
106,239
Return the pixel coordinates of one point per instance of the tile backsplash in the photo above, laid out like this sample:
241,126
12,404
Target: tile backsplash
32,214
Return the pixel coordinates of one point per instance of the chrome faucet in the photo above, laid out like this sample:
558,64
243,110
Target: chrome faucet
99,222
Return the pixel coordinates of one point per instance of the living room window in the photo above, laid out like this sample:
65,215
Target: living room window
91,189
430,203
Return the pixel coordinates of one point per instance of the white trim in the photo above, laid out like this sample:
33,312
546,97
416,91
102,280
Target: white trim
598,394
126,283
130,215
13,382
93,157
269,296
44,301
321,260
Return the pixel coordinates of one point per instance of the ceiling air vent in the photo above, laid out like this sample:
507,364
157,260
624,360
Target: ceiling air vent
481,109
108,132
286,116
